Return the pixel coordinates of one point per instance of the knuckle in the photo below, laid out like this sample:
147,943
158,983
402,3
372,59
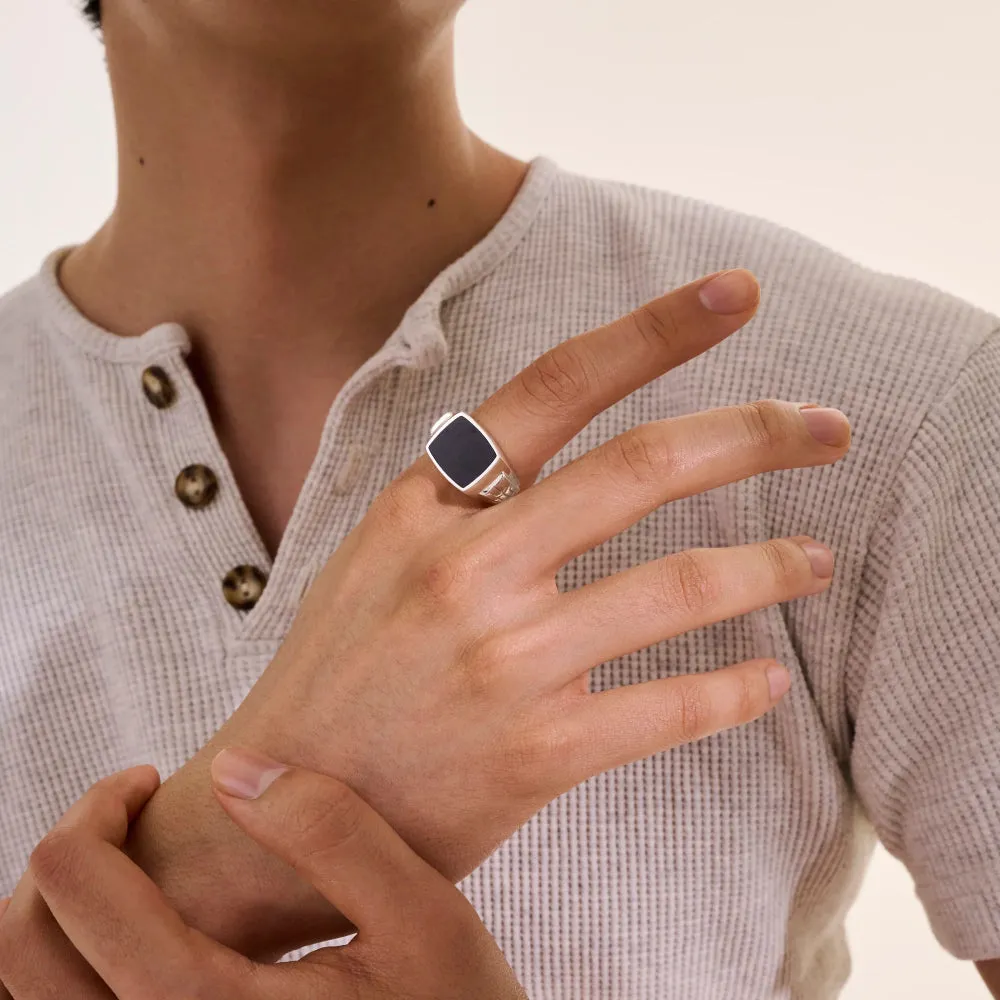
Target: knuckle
445,580
558,378
485,667
493,664
784,559
487,657
533,758
746,697
398,507
53,859
644,460
317,826
656,323
687,582
766,423
693,711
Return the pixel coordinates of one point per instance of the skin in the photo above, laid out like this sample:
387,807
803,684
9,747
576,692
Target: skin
418,937
297,200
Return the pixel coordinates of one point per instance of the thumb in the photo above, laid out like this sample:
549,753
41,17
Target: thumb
335,841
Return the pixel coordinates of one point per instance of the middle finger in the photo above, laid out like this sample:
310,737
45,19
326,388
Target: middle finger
615,484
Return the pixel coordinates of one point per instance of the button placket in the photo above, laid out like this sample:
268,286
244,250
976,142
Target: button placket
196,487
244,585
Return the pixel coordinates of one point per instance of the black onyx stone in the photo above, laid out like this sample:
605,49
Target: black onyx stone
462,452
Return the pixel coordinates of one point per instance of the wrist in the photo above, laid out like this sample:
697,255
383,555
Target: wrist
218,879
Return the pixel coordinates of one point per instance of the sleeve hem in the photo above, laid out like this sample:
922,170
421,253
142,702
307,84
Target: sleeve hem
964,914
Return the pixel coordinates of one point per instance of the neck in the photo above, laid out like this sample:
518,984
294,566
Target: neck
262,198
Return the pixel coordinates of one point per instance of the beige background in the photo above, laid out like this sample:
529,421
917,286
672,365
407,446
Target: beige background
871,125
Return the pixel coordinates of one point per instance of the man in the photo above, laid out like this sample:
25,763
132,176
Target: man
310,259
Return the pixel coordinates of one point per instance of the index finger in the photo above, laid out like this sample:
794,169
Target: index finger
112,803
113,914
550,401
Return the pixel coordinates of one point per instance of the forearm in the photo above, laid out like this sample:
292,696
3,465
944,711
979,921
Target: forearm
220,880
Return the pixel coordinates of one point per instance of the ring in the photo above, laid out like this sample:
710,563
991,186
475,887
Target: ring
470,459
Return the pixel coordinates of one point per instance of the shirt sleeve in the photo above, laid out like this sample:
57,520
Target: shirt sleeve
925,697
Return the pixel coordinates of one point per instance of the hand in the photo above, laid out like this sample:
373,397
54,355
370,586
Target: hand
37,962
436,667
419,938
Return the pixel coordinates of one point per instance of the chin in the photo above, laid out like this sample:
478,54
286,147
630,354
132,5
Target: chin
304,23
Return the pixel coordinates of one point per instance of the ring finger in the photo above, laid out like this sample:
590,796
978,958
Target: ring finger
637,607
553,398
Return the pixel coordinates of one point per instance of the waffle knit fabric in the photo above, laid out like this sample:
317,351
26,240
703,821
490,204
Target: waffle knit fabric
719,871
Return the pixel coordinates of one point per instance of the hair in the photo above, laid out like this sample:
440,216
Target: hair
92,11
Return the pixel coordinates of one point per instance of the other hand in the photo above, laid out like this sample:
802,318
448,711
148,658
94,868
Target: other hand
418,937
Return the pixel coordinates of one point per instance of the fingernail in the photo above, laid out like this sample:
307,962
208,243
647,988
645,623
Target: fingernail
778,681
827,425
245,774
820,557
730,292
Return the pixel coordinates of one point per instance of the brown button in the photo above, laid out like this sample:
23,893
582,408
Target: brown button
196,486
158,388
242,586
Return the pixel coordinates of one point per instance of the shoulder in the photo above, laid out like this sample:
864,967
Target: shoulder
21,309
632,243
22,340
883,348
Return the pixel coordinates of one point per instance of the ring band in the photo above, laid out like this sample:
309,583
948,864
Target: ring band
468,458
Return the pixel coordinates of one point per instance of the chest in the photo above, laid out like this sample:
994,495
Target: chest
120,647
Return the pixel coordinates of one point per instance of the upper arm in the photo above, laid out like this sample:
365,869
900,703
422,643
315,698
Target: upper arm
925,697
